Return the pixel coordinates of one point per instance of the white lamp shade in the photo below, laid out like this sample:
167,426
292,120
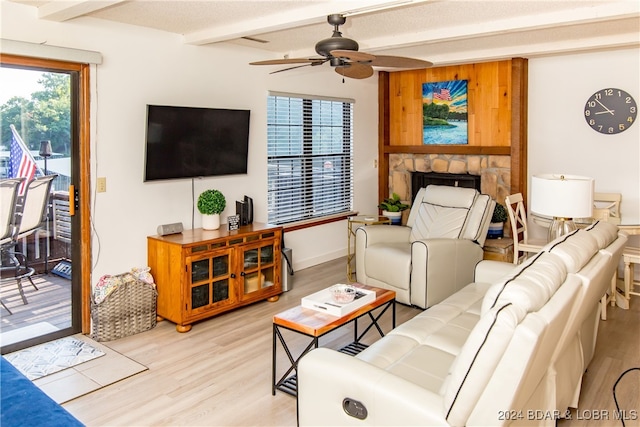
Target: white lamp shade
562,196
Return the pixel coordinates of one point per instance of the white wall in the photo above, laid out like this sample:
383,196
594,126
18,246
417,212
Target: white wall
143,66
560,141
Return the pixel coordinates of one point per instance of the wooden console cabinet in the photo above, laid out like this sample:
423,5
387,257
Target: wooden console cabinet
201,273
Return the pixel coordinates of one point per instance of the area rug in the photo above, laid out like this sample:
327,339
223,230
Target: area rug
24,404
45,359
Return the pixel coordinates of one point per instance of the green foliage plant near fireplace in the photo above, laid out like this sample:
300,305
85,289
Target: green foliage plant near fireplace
392,208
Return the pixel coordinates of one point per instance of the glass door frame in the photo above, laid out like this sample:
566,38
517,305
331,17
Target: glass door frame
79,195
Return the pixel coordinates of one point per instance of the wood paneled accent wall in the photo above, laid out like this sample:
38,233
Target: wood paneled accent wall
497,111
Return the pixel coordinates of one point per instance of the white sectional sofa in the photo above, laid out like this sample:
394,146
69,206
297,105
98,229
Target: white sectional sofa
509,348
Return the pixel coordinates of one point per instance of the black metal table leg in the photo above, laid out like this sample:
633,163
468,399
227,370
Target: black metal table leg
273,362
374,321
286,383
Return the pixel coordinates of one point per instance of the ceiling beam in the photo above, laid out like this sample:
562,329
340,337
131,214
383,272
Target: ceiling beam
578,16
313,14
66,10
537,50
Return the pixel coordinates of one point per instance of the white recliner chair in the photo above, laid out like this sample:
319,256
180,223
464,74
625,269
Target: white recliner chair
435,254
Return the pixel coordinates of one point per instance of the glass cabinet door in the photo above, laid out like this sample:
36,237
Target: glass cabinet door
210,280
200,296
258,267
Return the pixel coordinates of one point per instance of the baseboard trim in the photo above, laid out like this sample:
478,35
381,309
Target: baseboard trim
310,262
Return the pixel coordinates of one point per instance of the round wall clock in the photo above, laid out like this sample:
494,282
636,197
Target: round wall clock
610,111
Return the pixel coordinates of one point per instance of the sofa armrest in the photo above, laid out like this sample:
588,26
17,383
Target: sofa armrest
489,271
382,233
440,268
326,377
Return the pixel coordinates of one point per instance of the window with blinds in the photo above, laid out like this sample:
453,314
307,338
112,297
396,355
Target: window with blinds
309,157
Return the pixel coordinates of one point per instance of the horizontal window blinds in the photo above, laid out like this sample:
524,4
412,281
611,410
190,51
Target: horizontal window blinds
309,152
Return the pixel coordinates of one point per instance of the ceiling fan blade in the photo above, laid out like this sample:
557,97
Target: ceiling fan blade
352,55
286,61
355,70
399,62
313,64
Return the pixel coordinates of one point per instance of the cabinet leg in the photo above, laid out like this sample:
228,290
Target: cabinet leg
183,328
159,318
273,298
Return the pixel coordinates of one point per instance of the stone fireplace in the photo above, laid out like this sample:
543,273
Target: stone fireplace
494,172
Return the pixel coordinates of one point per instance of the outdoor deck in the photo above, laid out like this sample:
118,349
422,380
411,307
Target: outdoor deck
48,307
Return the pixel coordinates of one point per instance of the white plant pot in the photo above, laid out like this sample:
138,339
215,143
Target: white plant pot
211,222
395,217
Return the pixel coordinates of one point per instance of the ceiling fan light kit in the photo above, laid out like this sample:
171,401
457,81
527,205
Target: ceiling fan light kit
343,55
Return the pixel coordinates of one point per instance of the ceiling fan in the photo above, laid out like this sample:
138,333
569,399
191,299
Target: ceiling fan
342,54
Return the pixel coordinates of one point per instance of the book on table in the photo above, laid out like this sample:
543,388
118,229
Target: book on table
323,302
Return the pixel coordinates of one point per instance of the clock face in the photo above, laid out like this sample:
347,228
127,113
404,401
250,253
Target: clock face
610,111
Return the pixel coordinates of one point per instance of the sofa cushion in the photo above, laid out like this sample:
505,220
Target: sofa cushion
473,228
605,233
390,263
444,195
435,221
467,299
575,249
442,212
421,358
530,286
436,335
479,356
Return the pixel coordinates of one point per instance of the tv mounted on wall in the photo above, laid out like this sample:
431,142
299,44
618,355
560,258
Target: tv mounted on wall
190,142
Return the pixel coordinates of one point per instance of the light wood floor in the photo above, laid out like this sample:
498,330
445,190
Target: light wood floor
219,373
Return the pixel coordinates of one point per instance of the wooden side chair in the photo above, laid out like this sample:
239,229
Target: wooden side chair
518,219
630,256
606,207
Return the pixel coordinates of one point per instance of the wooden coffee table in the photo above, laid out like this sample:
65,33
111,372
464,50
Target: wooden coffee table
315,324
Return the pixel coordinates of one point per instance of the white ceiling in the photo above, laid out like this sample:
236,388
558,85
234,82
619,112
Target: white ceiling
441,31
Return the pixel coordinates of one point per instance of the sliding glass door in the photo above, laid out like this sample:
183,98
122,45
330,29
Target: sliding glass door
40,288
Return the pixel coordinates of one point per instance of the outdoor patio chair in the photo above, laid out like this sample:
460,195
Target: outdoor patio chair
9,189
28,220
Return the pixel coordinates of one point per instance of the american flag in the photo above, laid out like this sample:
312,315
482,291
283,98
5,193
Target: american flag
21,162
444,95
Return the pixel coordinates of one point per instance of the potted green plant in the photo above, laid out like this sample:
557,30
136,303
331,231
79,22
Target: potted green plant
211,203
496,227
392,208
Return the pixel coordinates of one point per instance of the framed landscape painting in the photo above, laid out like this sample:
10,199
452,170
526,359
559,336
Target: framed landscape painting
444,112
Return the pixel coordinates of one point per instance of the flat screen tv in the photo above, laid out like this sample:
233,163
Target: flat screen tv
190,142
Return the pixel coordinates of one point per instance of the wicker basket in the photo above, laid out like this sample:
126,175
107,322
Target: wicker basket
127,310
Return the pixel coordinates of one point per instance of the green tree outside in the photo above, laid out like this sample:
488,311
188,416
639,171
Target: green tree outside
47,115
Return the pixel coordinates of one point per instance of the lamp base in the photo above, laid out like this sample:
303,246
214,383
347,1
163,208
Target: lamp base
560,227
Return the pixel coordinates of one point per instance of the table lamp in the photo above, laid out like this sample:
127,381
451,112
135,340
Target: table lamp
562,197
